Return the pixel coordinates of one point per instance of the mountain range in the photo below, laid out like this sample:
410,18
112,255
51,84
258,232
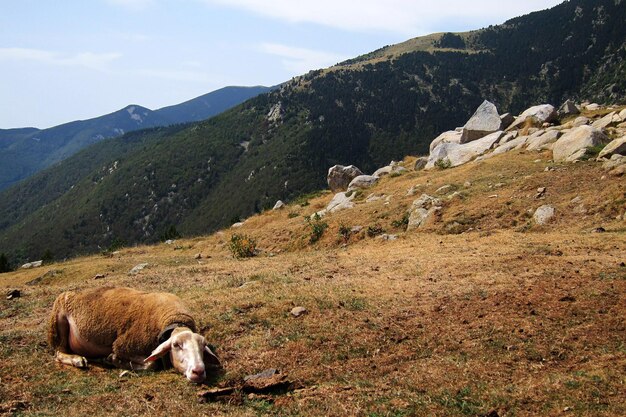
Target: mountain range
191,179
24,151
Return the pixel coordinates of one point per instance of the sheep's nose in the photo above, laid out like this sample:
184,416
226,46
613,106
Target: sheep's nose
198,371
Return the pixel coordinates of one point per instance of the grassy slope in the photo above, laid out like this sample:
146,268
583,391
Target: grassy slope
508,316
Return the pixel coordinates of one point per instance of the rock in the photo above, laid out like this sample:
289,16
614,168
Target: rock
444,189
622,114
413,190
581,121
458,154
279,205
137,268
385,236
541,191
362,182
35,264
420,163
386,170
618,171
608,120
339,176
169,241
539,143
467,184
451,136
237,225
573,145
374,197
615,161
270,381
275,114
543,113
509,146
340,201
422,211
568,109
616,147
356,229
483,122
99,276
506,120
298,311
592,107
197,256
216,393
11,294
508,137
543,214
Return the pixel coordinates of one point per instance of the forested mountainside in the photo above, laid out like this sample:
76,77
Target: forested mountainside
365,111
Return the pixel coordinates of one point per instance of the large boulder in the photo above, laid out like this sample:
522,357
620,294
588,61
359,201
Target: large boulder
420,163
608,120
451,136
568,109
543,113
573,145
543,214
423,211
362,182
484,121
510,145
340,201
616,147
541,142
458,154
339,176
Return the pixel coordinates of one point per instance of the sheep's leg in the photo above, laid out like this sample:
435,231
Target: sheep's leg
61,341
134,364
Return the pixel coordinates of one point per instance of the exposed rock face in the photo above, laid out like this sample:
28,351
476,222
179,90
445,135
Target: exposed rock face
616,147
339,176
539,143
420,163
484,121
35,264
458,154
543,214
507,119
573,145
362,182
543,113
451,136
568,109
275,113
339,202
422,211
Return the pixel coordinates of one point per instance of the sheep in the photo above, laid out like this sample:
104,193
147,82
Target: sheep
127,328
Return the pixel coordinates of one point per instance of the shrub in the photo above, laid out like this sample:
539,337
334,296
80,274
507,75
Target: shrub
4,263
345,232
402,222
443,163
242,246
375,230
317,226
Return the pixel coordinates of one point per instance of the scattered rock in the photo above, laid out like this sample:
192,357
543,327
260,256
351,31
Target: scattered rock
606,121
237,225
380,172
568,109
339,176
169,241
35,264
543,214
444,189
413,190
539,143
279,205
543,113
614,162
540,192
598,230
362,182
619,171
298,311
197,256
340,201
581,121
270,381
356,229
483,122
615,147
593,107
508,146
386,236
374,197
420,163
460,154
99,276
138,268
11,294
422,211
573,145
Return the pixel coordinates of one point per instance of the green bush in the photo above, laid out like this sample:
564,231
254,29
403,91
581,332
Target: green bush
242,246
345,232
317,226
443,163
402,222
375,230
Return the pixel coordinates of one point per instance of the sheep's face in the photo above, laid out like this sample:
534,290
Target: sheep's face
188,353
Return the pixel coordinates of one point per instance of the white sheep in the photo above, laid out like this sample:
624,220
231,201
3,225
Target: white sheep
128,329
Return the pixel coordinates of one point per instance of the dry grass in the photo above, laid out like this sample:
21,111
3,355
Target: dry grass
483,311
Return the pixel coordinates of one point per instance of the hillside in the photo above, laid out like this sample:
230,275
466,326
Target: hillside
26,151
502,317
279,146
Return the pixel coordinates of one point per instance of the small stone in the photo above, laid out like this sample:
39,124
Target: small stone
11,294
467,184
198,256
298,311
169,241
99,276
598,230
137,268
279,205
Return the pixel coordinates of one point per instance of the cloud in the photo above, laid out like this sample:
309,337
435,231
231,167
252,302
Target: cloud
301,60
96,61
409,17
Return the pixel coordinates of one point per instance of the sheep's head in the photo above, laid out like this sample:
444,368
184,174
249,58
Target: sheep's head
189,354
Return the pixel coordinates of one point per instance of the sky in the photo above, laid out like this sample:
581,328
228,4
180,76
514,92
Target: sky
67,60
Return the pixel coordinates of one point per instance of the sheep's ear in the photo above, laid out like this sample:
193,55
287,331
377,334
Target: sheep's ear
210,358
160,351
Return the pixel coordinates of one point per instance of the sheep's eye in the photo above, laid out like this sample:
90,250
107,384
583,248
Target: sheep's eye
176,345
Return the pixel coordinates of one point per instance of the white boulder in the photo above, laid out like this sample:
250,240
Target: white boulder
573,145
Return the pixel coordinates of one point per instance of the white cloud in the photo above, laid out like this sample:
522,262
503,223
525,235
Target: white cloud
301,60
96,61
409,17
